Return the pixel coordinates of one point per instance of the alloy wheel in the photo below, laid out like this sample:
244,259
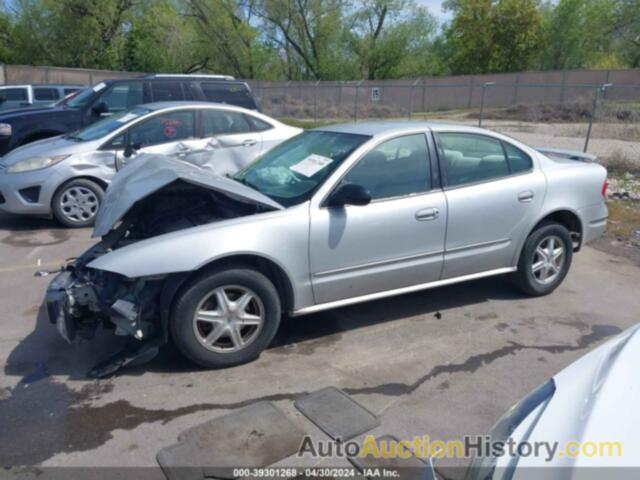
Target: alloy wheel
548,259
228,319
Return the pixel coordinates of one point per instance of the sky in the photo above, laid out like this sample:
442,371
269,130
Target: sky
435,7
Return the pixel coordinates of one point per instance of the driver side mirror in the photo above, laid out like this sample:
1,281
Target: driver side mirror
100,109
349,194
130,149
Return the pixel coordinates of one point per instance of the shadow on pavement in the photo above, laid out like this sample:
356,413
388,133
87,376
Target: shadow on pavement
14,223
44,352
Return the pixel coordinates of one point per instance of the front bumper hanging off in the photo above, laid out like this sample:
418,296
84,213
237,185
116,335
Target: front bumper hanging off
77,307
60,303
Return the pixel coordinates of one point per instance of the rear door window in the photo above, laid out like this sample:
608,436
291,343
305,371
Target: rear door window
234,94
123,96
167,91
471,158
163,128
45,94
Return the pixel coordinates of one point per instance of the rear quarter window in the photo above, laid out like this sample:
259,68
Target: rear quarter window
234,94
518,160
257,124
15,94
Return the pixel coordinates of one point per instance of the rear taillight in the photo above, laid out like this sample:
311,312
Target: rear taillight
604,188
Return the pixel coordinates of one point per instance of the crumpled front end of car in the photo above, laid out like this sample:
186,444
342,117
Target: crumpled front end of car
83,297
80,299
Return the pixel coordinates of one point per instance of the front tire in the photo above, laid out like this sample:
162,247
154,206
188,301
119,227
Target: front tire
225,317
545,259
76,203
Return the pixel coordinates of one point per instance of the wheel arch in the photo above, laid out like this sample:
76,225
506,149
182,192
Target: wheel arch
565,217
101,183
268,267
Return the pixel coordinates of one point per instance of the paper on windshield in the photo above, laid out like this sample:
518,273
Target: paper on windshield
311,165
99,86
126,118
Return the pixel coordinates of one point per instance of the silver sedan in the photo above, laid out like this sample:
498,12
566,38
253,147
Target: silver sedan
331,217
66,176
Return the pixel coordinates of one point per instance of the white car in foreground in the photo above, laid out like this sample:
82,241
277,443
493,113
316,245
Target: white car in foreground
585,416
66,176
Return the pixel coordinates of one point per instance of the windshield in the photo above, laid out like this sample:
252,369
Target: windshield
67,98
293,170
107,125
81,99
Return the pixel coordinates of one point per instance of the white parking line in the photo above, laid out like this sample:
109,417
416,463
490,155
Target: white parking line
16,268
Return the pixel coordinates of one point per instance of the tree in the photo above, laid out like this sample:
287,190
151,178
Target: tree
160,39
390,38
516,34
625,30
492,36
78,33
567,43
308,34
228,37
469,45
6,26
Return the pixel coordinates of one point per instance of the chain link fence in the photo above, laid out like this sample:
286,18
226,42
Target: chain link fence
593,110
601,118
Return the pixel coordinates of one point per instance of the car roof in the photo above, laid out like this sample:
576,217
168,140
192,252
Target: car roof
51,85
378,128
192,76
186,103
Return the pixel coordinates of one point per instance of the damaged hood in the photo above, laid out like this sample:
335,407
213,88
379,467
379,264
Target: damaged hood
149,173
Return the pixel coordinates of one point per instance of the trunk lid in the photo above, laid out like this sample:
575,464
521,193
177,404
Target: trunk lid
560,153
149,173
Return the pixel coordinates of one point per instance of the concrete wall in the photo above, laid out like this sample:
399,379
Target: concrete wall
21,74
393,97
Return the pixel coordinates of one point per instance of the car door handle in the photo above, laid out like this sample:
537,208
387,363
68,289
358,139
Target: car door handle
249,143
525,197
427,214
182,149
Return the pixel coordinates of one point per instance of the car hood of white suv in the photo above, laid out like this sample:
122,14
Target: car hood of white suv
150,172
596,399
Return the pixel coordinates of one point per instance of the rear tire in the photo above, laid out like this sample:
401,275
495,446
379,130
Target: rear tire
225,317
545,259
76,203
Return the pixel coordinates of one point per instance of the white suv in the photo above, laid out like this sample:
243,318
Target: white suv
19,96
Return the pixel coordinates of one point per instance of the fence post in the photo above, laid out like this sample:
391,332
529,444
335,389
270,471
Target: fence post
594,110
355,103
424,94
564,77
515,89
286,98
413,89
315,104
484,89
607,80
470,91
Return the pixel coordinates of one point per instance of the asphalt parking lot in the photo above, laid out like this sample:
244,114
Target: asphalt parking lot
444,362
